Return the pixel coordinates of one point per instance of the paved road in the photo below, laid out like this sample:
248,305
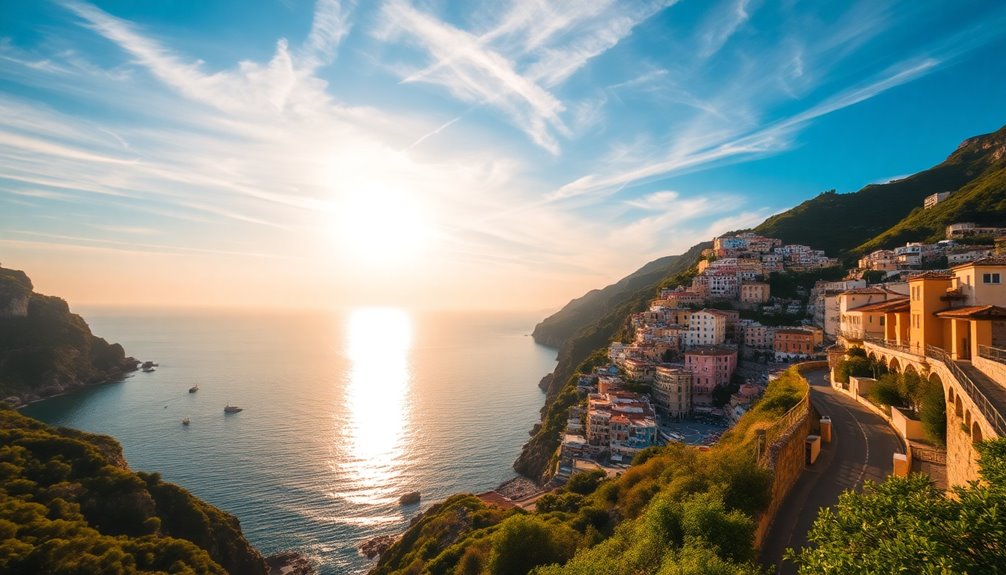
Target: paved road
861,449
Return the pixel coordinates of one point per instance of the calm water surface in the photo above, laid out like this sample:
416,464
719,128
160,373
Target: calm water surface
342,414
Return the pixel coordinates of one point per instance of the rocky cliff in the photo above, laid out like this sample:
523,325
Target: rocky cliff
45,349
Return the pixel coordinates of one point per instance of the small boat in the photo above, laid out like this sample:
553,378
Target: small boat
185,421
148,369
194,389
232,409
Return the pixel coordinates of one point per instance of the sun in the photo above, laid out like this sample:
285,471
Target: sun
380,225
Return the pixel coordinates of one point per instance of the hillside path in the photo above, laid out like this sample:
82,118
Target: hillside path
862,448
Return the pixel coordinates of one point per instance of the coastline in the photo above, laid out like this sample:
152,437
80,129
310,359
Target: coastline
24,400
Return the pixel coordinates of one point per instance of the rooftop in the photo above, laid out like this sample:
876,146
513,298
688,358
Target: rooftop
891,305
932,275
974,312
989,261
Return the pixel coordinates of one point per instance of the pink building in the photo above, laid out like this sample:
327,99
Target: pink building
710,366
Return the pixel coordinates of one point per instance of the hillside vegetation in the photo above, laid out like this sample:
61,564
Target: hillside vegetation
852,221
908,525
69,505
45,349
676,510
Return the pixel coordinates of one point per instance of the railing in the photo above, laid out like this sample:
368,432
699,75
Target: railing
891,344
993,353
986,407
782,426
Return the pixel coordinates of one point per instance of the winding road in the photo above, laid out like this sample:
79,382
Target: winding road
861,448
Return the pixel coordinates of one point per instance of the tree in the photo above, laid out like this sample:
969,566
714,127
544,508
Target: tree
907,525
524,542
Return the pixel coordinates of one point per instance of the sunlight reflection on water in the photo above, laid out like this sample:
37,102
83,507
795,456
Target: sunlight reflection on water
378,341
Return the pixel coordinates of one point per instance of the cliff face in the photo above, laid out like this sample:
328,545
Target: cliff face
45,349
70,505
15,292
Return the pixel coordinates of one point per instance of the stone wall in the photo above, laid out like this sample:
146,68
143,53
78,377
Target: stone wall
786,456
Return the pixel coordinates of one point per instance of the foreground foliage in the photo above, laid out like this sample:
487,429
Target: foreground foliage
677,510
907,525
68,504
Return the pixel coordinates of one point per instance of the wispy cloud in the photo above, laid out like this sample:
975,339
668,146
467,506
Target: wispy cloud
514,65
723,26
733,146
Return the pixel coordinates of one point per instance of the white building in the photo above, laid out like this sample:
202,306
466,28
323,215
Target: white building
706,327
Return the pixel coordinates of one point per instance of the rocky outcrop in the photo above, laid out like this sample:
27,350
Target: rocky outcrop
15,293
47,350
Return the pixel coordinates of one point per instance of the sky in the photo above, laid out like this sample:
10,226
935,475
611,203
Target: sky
463,155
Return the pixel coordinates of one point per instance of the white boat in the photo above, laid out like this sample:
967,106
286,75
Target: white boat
232,409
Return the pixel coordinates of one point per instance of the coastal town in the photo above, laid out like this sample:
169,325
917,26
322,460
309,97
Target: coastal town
702,353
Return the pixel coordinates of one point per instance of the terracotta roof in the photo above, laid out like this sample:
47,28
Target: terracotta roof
891,305
866,291
494,498
794,331
715,312
974,312
932,275
989,261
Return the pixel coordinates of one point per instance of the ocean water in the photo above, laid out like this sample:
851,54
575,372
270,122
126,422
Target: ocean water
343,413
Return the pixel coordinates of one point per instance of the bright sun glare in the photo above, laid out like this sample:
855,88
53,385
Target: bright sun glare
378,342
381,225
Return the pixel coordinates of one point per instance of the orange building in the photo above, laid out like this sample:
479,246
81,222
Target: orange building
958,310
791,343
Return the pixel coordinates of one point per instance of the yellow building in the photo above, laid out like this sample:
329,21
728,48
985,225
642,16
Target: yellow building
958,310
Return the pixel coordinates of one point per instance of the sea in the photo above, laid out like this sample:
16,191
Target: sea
343,412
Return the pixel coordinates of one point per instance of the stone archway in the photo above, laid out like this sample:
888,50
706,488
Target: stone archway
976,432
958,407
894,366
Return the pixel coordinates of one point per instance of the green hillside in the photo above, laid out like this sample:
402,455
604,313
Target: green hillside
982,201
579,313
844,224
69,505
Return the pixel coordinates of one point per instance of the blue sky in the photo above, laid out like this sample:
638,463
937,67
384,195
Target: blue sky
435,154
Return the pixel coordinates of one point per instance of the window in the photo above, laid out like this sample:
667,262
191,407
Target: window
991,278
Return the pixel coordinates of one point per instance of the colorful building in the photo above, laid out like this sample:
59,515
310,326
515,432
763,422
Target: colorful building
710,366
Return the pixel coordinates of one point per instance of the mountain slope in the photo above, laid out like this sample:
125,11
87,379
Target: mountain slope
554,330
841,223
982,201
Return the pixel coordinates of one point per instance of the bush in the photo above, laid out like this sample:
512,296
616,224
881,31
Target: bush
887,391
585,482
522,543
